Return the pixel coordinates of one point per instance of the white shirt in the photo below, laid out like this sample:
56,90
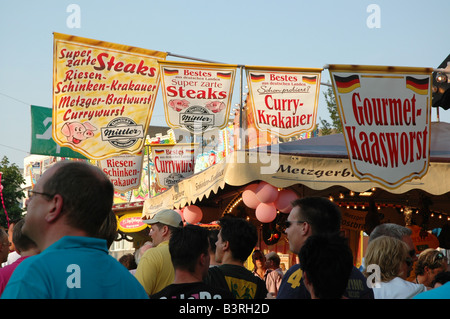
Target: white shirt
397,288
12,257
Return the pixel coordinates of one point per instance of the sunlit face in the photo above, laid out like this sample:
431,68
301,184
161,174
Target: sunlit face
10,235
37,208
156,233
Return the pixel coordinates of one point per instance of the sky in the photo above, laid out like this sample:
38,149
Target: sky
285,33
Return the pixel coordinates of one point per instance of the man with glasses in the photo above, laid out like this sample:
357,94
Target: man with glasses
315,216
68,214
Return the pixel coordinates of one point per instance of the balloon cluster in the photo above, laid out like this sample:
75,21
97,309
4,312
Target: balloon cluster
267,200
191,214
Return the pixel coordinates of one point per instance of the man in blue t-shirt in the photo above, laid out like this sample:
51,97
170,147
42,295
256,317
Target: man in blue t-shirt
70,218
315,216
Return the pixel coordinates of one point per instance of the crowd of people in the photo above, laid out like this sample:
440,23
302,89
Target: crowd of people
60,250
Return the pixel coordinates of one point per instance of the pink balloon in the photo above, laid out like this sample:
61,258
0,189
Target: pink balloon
249,196
284,200
192,214
266,193
266,212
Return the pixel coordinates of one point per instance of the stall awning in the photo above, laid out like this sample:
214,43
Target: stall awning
318,163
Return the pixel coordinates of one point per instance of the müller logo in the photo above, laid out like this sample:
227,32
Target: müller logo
122,132
173,179
197,118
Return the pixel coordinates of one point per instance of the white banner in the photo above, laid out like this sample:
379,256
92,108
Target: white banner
385,115
197,96
284,100
124,171
173,162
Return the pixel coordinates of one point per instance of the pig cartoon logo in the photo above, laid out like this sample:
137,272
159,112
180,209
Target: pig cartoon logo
178,105
77,132
215,106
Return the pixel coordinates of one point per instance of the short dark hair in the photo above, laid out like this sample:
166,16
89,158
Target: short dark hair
87,194
327,261
128,261
21,241
108,229
323,215
212,238
241,235
186,244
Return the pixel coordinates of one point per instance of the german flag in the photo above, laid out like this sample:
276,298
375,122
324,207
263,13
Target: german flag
170,72
346,84
225,76
159,152
257,77
420,86
309,79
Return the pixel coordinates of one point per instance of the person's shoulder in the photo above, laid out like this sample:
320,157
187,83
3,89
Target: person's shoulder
235,269
275,274
29,262
292,270
163,293
442,292
154,252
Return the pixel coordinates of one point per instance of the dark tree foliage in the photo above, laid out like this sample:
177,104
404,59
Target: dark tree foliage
11,180
335,126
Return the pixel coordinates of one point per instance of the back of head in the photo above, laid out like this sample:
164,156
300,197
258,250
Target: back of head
186,244
108,229
387,253
4,240
128,261
327,261
390,229
323,215
241,235
21,241
274,257
3,235
86,191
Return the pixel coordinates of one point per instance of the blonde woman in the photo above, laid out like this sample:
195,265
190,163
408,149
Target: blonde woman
386,268
430,263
